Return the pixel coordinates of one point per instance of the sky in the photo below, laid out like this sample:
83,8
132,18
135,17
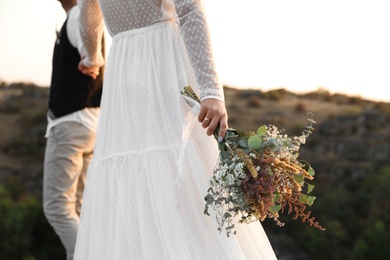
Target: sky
342,46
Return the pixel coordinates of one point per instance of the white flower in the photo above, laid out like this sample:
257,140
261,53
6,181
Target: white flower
231,180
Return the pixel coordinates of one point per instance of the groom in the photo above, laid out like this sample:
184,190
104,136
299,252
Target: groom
72,121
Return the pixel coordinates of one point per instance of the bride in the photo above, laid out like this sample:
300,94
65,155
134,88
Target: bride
148,177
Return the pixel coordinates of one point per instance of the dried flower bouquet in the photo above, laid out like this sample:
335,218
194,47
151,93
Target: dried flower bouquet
259,176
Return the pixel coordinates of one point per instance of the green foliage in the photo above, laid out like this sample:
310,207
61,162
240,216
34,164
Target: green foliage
31,143
357,222
24,231
27,104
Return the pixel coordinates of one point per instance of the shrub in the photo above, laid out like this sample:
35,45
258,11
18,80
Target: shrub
24,231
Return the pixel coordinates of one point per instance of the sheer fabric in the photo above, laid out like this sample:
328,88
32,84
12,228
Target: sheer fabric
123,15
144,190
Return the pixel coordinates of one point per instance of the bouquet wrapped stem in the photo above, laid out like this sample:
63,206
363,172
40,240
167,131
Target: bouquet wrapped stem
259,176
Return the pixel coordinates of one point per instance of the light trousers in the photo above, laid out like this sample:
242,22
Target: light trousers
68,153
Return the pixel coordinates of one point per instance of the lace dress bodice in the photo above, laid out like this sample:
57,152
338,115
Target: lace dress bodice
124,15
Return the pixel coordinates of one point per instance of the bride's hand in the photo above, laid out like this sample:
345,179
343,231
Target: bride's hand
213,114
89,71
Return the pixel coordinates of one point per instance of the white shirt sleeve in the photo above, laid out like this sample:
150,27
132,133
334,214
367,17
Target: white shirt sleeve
194,27
72,29
91,32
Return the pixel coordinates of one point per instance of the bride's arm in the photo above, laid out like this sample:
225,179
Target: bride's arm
194,28
91,32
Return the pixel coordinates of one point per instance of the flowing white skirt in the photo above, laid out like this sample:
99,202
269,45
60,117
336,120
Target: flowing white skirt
141,200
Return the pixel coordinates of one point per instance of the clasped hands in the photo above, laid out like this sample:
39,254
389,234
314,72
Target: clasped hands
93,72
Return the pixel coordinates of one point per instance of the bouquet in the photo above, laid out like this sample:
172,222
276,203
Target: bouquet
259,176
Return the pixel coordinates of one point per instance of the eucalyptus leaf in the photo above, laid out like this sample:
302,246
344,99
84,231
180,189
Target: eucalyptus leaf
275,208
273,142
254,141
227,215
223,153
210,200
310,188
247,150
303,199
299,178
243,142
262,130
310,200
275,198
311,171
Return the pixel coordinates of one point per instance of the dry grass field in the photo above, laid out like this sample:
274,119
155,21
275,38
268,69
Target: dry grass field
249,109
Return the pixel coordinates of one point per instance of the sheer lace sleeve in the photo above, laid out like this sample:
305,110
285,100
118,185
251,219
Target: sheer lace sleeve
196,36
91,31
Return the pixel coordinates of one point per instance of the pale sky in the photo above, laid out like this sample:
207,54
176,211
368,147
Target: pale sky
301,45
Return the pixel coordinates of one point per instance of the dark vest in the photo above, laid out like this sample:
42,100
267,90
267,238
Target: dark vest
71,90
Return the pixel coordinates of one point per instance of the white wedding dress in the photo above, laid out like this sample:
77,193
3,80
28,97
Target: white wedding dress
144,196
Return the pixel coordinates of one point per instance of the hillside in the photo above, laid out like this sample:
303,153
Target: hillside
350,137
349,150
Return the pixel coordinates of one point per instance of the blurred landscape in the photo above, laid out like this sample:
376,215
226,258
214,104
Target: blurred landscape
349,150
